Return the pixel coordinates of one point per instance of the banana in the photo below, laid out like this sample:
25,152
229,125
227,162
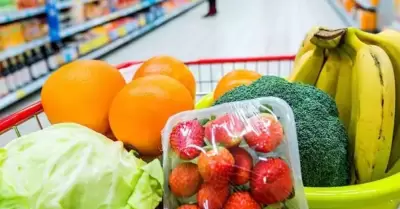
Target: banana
373,108
306,45
308,67
389,40
327,79
344,100
343,95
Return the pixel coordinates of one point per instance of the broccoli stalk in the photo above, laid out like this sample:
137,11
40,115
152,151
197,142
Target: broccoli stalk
323,141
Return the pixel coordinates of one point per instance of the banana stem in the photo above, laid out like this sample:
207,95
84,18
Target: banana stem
328,39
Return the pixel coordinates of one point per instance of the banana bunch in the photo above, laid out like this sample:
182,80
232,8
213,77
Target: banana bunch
359,70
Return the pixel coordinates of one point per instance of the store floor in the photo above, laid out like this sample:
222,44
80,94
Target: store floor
254,28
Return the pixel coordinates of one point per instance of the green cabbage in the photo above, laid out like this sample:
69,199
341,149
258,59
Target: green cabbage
68,166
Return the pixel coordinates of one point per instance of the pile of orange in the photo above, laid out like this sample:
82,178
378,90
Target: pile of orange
94,94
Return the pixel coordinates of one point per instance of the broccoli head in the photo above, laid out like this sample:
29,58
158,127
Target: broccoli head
323,141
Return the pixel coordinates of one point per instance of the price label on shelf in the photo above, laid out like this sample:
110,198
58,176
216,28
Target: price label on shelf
20,94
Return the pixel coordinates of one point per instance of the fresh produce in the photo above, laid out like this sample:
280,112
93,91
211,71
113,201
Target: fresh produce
322,138
185,180
234,79
271,181
312,58
266,135
241,200
343,96
389,40
187,138
70,166
373,113
140,110
327,78
243,162
169,66
366,91
226,130
82,92
243,166
212,196
216,166
189,207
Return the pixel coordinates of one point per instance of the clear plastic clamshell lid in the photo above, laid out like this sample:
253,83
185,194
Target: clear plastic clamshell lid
240,155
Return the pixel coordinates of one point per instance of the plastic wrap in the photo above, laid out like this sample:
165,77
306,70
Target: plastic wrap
237,155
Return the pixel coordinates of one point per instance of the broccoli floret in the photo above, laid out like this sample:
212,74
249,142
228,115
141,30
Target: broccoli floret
308,91
322,135
292,93
323,141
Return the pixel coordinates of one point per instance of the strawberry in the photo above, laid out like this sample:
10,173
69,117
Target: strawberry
185,180
216,165
226,130
241,200
243,166
187,138
266,133
271,181
212,196
189,207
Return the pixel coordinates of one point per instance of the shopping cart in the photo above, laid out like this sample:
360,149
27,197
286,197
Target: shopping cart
383,194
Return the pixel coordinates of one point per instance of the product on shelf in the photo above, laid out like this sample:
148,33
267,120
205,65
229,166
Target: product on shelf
37,63
24,69
96,9
51,56
70,52
7,6
9,76
25,4
59,55
142,19
349,5
3,83
11,35
34,28
120,4
19,82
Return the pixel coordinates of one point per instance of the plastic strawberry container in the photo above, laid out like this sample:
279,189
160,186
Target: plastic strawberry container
236,155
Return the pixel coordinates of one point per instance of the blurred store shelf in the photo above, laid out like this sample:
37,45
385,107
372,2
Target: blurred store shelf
37,84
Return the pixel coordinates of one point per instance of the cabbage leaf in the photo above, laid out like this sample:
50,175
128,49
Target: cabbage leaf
68,166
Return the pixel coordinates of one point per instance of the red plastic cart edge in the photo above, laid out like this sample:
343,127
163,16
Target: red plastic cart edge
225,60
24,114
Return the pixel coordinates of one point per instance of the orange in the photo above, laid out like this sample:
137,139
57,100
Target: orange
234,79
169,66
141,109
82,92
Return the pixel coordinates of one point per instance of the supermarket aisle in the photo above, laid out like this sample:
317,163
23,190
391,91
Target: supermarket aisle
255,28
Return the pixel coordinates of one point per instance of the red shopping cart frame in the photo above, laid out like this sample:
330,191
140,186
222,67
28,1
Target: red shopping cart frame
36,108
